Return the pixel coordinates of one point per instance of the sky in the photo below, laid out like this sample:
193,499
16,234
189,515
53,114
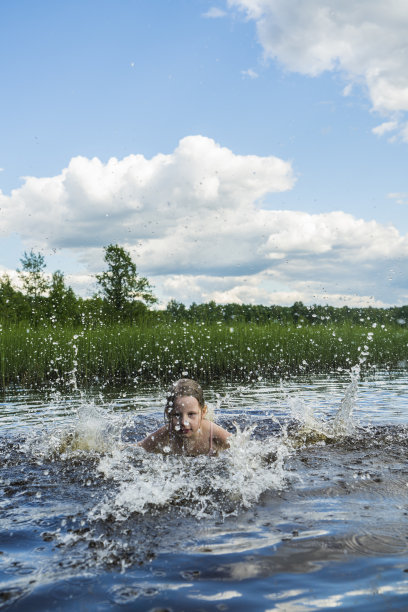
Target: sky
249,151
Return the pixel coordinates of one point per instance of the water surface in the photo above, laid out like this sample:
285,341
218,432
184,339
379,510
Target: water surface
307,510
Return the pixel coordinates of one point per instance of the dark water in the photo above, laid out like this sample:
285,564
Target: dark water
308,510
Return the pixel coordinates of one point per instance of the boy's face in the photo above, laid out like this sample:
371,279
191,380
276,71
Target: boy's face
186,416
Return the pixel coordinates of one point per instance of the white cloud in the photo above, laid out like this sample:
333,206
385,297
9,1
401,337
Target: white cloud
91,203
400,198
214,13
404,131
250,73
259,289
347,90
83,284
364,40
384,128
13,275
194,223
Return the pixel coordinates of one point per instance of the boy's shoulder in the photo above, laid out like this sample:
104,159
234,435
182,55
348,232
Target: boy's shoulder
219,433
156,439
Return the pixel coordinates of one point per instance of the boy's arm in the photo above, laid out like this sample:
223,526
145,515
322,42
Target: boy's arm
221,436
155,441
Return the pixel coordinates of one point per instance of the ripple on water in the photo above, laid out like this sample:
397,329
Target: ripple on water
378,544
10,595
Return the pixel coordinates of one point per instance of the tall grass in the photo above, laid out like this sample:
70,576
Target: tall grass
110,354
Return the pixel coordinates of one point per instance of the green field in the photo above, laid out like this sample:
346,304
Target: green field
118,353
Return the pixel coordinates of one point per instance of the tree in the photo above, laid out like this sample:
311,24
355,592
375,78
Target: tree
7,291
176,310
299,312
34,284
32,274
62,300
120,283
14,305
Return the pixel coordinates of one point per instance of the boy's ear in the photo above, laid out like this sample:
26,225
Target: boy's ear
204,410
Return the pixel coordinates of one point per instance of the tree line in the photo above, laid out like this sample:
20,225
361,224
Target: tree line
125,296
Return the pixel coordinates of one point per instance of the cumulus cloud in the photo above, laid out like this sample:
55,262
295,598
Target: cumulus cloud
247,241
91,203
194,223
267,288
365,41
214,13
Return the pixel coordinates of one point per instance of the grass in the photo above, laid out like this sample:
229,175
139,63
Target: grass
116,353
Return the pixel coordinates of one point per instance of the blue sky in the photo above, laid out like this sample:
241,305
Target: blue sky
258,147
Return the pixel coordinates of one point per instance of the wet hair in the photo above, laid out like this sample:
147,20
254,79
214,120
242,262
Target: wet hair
185,387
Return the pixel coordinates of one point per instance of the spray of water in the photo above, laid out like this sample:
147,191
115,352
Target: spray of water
199,486
123,488
343,424
138,482
94,430
313,429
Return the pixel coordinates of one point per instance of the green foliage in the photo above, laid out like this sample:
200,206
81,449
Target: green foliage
13,304
71,355
62,302
298,313
176,311
35,285
126,297
32,274
120,283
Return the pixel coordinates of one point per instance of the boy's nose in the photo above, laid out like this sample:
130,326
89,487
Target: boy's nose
182,420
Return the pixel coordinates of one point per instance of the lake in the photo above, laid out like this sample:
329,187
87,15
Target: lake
307,510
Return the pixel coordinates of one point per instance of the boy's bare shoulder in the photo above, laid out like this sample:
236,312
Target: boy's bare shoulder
220,434
156,440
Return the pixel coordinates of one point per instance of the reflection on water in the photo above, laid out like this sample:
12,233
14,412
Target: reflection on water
307,509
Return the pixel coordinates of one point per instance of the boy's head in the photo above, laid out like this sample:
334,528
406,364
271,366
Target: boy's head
185,387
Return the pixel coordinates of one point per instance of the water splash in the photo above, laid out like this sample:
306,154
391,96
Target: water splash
314,429
255,466
122,486
197,486
129,481
134,482
342,423
94,430
98,502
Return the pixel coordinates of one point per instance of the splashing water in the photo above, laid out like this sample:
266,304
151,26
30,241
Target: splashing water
121,485
290,496
200,486
123,482
342,424
141,482
95,430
